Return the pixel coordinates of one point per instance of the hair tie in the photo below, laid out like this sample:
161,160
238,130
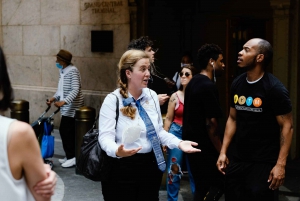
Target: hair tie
128,101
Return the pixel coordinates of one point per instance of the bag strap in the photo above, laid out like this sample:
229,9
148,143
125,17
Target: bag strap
117,113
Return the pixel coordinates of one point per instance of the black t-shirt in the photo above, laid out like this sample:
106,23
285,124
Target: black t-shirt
257,136
201,101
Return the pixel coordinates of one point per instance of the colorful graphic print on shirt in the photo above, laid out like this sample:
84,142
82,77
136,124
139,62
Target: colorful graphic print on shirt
249,104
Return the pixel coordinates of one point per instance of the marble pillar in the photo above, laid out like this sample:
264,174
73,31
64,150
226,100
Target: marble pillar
33,31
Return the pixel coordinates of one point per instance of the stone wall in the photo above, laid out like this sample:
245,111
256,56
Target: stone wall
33,31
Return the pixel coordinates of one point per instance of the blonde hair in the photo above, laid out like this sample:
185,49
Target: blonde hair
128,59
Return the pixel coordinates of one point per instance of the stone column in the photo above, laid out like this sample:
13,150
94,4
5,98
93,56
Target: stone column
1,42
133,18
294,73
286,55
281,39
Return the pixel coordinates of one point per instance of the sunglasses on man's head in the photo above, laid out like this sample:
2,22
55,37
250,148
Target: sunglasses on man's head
186,74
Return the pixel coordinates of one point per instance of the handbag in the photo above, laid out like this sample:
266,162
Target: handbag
47,143
93,162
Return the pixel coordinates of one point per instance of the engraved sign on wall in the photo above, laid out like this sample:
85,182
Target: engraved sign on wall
103,6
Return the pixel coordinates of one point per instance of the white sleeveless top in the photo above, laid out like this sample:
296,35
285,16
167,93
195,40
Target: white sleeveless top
10,188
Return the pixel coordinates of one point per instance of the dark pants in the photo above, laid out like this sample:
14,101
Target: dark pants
248,182
209,182
67,134
133,178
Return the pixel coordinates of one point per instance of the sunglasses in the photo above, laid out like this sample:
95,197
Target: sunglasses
186,74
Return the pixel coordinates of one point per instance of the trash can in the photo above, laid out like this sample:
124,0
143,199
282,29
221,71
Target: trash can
84,120
20,110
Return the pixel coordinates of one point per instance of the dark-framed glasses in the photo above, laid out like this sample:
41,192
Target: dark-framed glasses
186,74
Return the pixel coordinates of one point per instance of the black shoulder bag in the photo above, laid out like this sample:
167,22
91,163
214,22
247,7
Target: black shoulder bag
93,162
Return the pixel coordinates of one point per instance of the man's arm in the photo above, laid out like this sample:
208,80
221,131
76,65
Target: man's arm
213,133
229,133
277,174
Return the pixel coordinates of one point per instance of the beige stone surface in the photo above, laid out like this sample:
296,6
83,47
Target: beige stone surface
121,38
77,39
24,70
50,73
60,12
97,12
12,40
41,40
17,12
97,74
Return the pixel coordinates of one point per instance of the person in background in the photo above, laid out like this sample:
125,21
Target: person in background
173,124
200,123
23,174
145,44
69,98
259,129
136,139
185,59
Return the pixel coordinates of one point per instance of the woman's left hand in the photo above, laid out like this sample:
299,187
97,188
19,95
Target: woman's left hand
187,146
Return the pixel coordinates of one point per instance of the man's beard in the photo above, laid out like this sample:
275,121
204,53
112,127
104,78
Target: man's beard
251,65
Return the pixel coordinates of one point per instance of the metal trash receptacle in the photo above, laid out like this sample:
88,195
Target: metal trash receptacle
20,110
84,120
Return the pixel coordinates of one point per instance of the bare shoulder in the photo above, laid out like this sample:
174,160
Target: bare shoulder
173,98
20,130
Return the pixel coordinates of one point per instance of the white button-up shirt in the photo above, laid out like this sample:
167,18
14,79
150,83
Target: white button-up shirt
110,138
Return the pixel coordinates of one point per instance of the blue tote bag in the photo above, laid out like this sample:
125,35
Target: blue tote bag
47,144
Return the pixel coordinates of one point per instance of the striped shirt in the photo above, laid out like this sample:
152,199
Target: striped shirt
72,93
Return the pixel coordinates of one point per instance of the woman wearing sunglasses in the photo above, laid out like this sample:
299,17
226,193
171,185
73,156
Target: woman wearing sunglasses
173,124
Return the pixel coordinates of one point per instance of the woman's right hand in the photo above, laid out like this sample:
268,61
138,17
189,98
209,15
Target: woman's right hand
121,152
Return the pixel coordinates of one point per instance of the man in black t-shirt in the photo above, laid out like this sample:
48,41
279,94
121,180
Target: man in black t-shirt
259,129
200,123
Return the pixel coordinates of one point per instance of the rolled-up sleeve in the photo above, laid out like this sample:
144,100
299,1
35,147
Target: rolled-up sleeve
107,122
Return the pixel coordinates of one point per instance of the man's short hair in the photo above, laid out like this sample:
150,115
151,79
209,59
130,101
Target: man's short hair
265,48
207,52
140,44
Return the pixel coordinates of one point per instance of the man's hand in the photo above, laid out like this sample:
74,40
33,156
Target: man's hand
121,152
162,98
222,163
46,187
277,176
59,103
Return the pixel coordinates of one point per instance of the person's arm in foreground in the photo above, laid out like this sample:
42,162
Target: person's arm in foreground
213,132
229,133
25,157
277,174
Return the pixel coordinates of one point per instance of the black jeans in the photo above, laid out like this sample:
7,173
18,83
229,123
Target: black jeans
133,178
248,181
67,133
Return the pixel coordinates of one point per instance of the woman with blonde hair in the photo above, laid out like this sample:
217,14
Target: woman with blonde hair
136,140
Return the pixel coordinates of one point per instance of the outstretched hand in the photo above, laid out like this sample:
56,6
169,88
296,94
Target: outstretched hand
187,146
121,152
